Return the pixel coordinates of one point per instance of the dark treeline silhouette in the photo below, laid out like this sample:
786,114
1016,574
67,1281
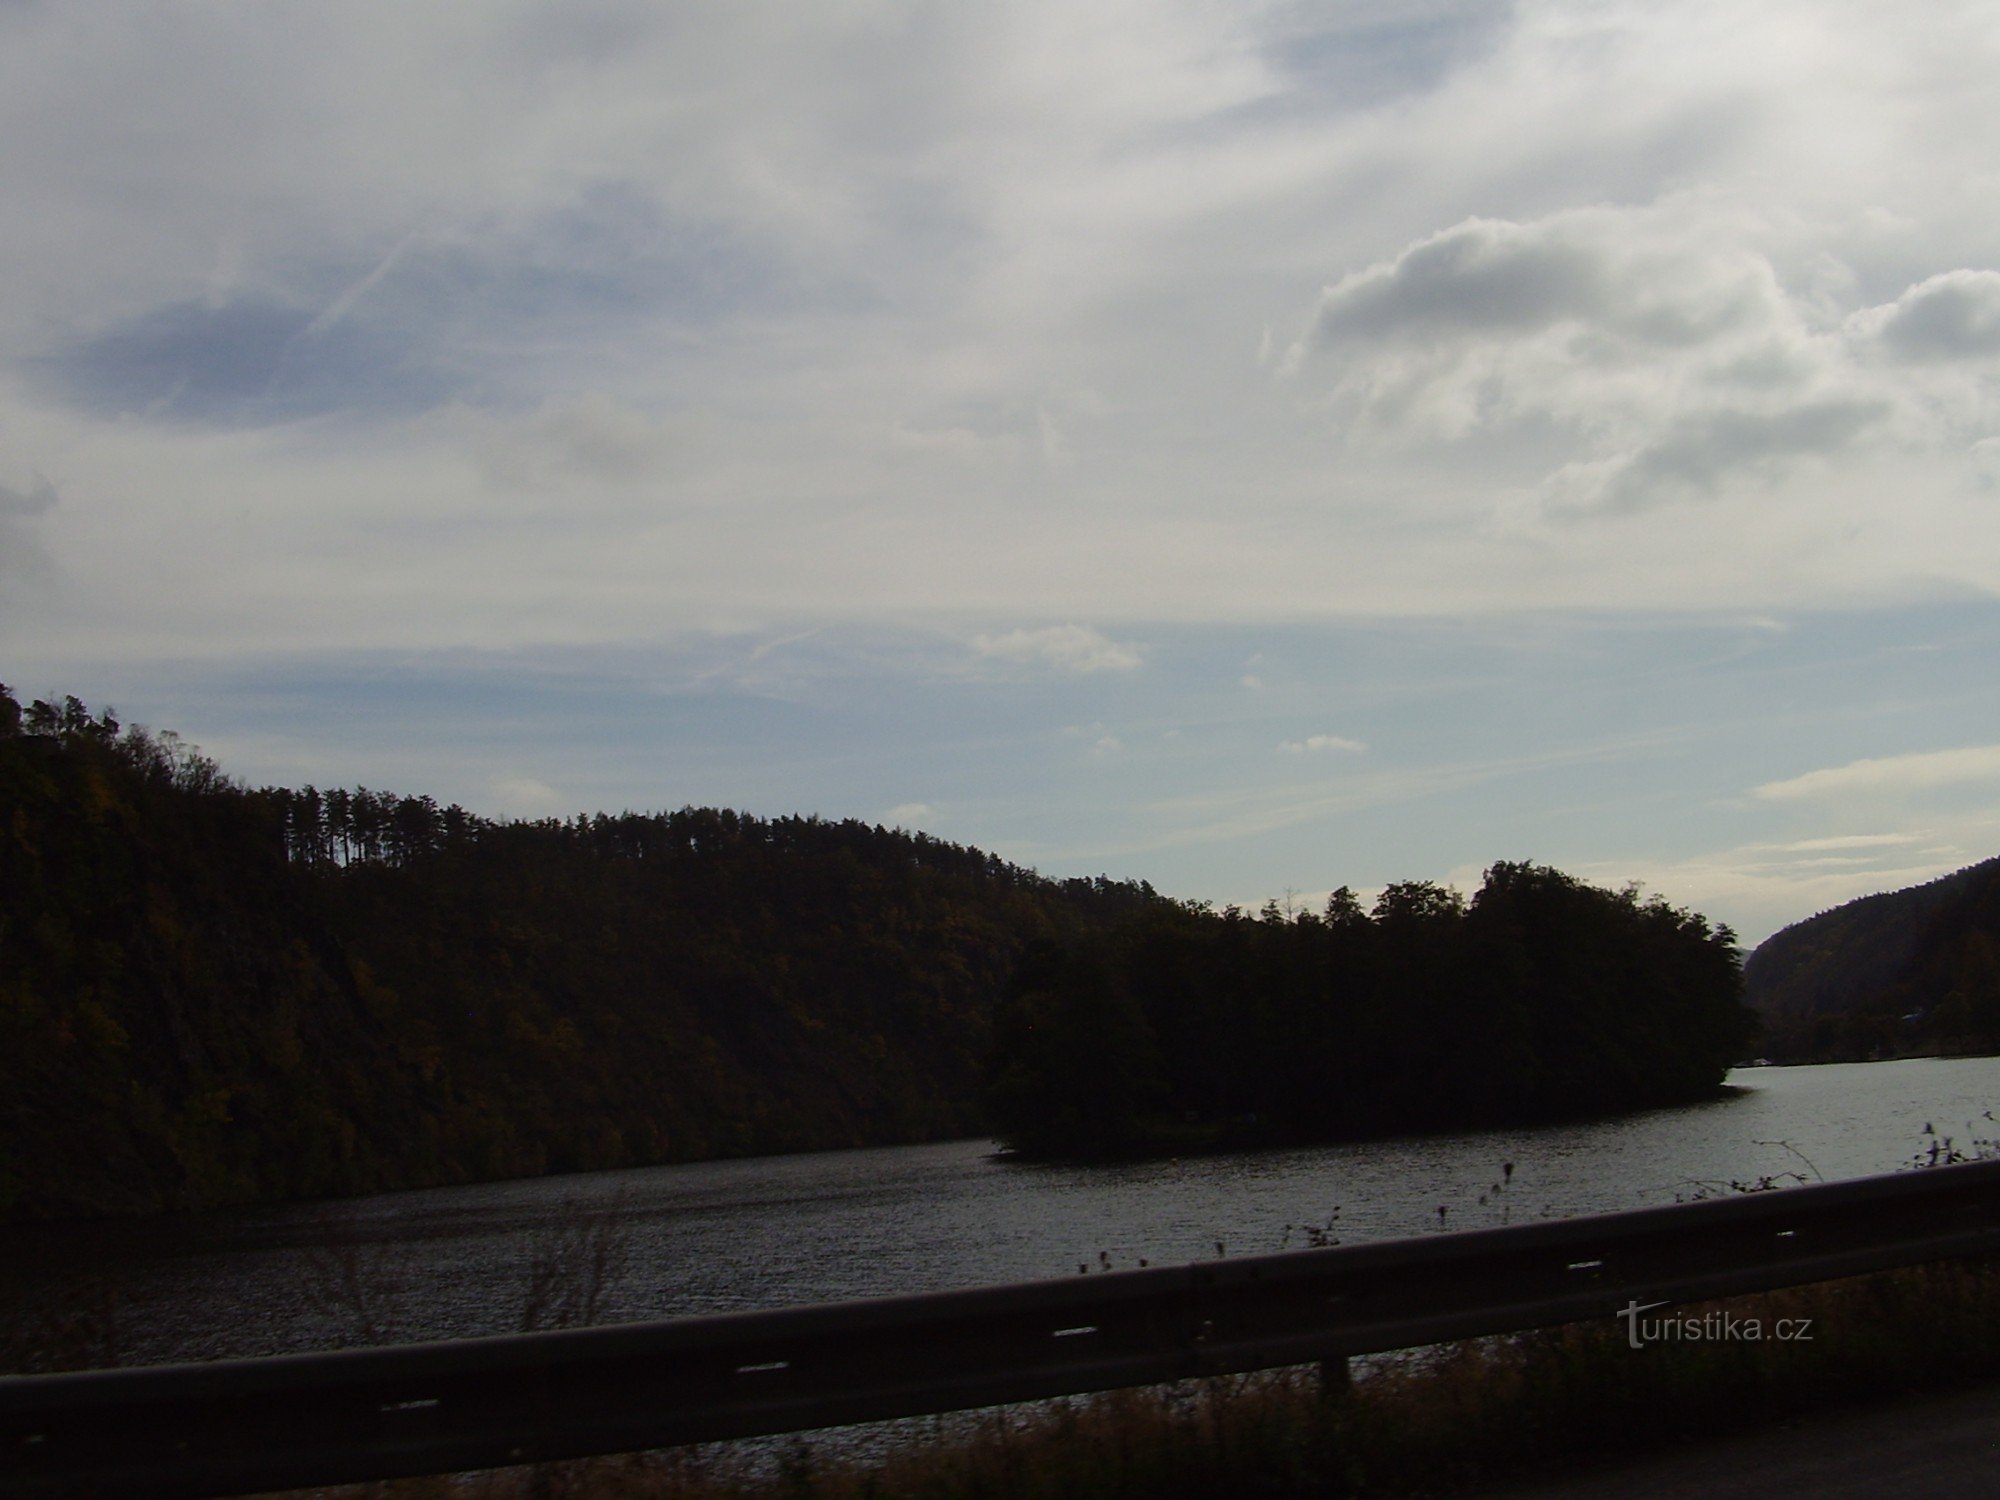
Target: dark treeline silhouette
213,994
1541,999
1907,972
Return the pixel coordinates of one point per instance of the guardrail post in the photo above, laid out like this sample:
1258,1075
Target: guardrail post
1336,1378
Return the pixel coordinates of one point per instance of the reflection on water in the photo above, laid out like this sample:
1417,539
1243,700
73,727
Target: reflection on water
797,1229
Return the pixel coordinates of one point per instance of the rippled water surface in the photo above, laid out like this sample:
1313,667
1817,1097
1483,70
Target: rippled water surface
796,1229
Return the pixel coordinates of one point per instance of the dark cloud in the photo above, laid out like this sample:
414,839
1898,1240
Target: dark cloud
1953,316
1480,276
462,316
1491,278
38,499
242,362
21,552
1704,448
1354,57
613,250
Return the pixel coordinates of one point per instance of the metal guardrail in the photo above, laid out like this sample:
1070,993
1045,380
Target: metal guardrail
236,1426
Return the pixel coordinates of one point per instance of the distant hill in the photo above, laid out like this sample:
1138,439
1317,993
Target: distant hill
1905,972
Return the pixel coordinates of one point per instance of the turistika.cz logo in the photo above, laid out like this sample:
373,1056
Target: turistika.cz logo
1709,1327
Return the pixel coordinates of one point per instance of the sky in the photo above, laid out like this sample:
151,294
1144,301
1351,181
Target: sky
1248,447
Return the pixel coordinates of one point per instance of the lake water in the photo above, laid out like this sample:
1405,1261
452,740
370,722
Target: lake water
774,1231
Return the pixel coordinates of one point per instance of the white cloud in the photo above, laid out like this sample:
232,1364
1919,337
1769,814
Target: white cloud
1895,774
1644,355
909,814
1066,648
1233,812
1099,740
522,796
1764,886
1314,744
1850,841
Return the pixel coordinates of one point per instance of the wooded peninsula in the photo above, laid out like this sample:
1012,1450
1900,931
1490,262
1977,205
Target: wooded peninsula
215,994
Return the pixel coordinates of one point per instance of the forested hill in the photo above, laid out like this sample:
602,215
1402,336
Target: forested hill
211,994
1541,999
1910,971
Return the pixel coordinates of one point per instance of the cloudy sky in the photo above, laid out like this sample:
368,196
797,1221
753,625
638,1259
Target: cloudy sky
1253,447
